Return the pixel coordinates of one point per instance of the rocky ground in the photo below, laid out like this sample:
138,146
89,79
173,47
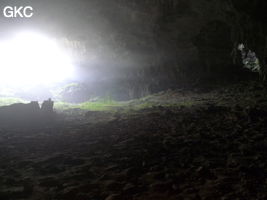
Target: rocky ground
187,145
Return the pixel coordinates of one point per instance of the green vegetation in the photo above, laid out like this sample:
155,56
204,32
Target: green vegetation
5,101
98,106
108,104
59,105
101,105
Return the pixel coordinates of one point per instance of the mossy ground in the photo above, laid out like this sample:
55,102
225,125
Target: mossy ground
180,145
60,105
110,105
243,94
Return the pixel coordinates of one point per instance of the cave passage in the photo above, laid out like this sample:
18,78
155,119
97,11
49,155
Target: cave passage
133,100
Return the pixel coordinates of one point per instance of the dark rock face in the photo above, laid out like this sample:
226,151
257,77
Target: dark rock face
193,39
158,44
19,112
24,115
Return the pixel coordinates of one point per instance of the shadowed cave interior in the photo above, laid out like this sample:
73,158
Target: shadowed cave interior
134,100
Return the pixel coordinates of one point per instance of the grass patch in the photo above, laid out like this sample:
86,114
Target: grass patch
101,105
59,105
93,106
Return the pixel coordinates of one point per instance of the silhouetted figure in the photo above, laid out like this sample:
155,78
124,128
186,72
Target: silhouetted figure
47,106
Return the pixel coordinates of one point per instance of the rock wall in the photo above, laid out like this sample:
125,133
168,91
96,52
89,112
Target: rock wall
181,40
152,45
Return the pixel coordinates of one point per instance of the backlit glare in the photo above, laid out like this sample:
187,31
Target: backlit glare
31,58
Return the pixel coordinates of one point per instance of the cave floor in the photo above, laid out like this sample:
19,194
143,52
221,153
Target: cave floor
211,146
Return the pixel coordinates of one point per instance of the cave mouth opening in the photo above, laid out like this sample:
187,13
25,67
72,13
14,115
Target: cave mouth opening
32,63
32,58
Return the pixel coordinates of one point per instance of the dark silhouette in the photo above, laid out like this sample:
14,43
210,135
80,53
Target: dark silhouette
47,106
